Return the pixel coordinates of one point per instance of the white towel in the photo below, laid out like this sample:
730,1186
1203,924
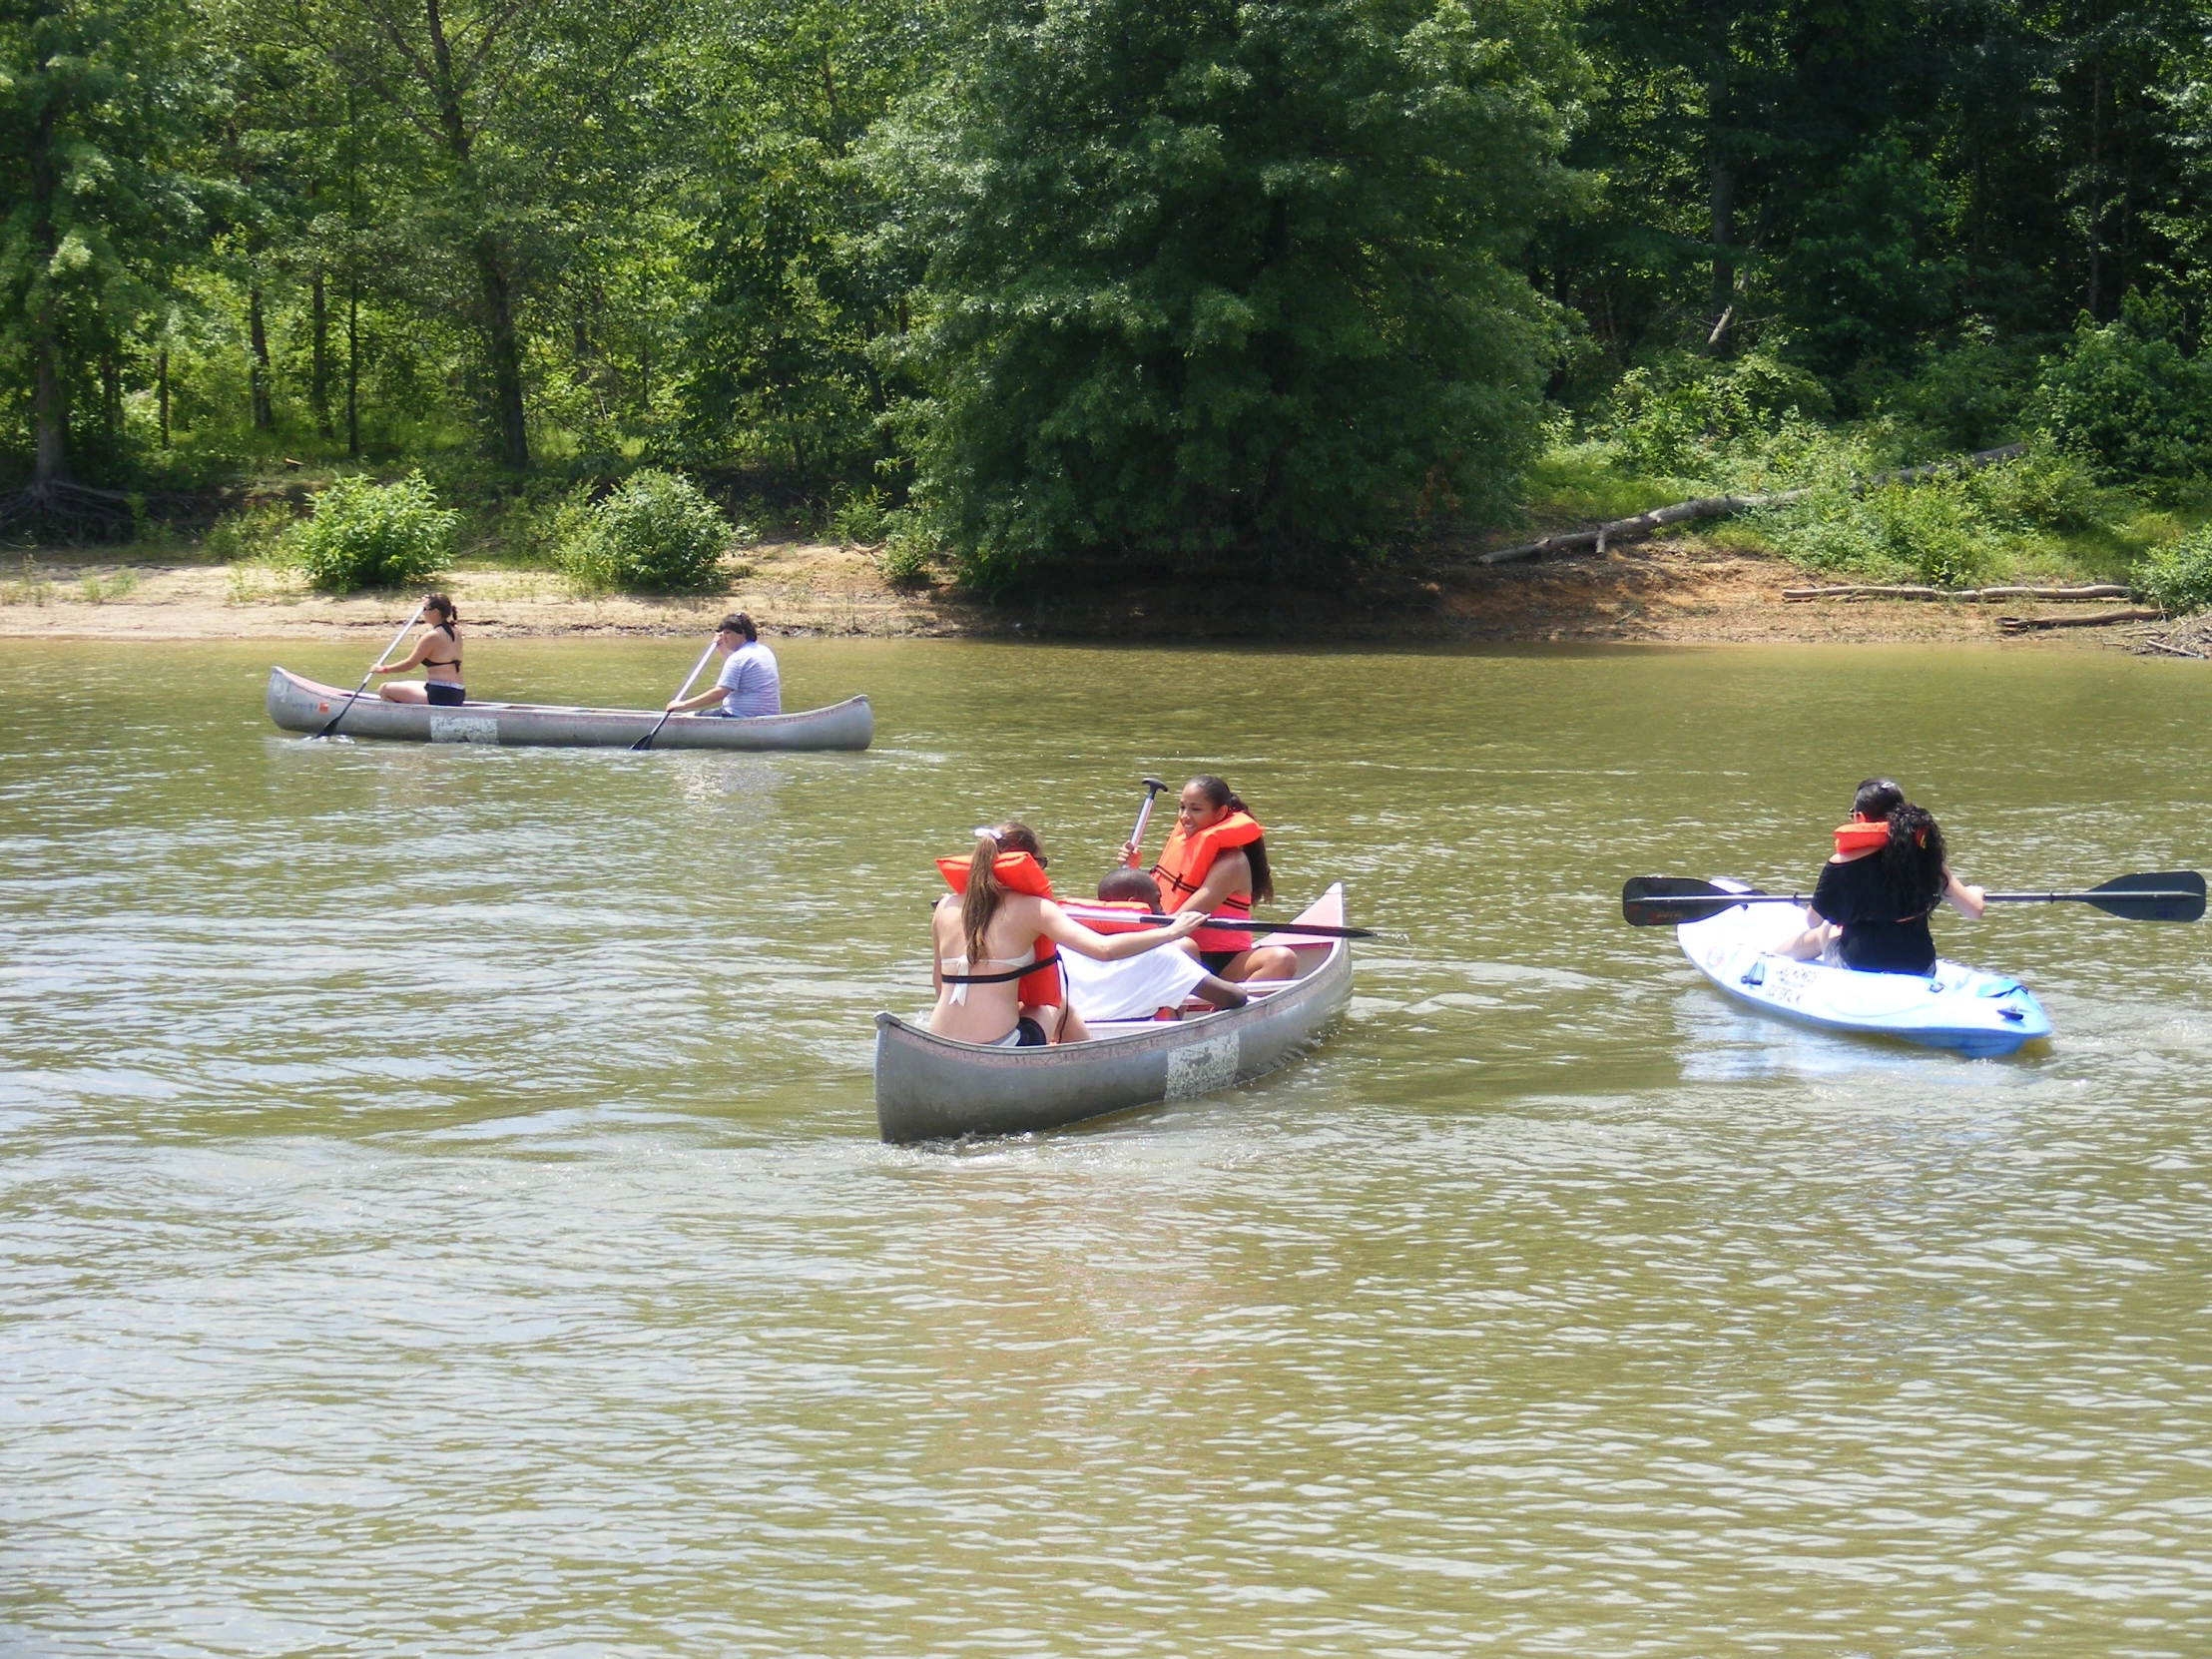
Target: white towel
1136,988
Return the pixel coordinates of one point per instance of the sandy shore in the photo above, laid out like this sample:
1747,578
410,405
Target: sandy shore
1663,593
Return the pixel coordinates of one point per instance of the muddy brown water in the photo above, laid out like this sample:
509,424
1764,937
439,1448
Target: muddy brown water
441,1211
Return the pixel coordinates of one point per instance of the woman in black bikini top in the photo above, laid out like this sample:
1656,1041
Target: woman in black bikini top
442,672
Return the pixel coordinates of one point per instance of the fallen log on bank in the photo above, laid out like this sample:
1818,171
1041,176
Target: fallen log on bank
2094,590
2028,624
1723,506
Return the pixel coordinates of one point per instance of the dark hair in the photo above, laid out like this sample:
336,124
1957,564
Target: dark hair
439,602
1123,884
737,622
981,900
1877,798
1912,864
1218,794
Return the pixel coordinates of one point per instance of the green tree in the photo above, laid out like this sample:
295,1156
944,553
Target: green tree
494,120
1203,279
789,297
101,108
1868,273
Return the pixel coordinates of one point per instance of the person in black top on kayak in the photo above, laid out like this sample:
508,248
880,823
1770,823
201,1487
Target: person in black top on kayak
1871,907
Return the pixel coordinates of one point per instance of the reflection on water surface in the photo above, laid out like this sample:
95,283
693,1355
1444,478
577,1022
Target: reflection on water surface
439,1207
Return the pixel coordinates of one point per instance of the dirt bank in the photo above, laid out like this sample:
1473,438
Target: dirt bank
1672,592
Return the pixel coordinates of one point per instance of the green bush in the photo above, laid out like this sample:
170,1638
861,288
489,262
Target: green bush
906,560
254,534
2128,397
859,518
1971,396
531,534
2042,490
1682,417
2178,576
656,534
368,535
1936,532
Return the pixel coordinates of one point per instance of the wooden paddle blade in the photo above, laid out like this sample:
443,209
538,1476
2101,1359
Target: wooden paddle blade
2175,895
1669,900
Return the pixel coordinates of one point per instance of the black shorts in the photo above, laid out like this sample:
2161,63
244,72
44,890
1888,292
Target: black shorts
444,695
1213,961
1032,1034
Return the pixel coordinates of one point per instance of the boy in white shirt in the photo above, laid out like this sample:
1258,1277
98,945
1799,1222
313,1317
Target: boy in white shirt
1140,987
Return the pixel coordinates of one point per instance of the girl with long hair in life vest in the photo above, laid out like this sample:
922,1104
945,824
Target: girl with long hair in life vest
1870,906
1216,862
995,936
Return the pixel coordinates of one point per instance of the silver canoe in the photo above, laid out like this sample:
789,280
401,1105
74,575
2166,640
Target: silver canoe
299,705
933,1088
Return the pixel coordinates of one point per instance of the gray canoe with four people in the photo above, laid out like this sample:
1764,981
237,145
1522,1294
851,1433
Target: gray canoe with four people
930,1088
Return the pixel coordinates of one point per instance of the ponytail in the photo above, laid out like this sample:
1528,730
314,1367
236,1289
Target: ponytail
1912,860
980,903
984,889
1255,855
443,606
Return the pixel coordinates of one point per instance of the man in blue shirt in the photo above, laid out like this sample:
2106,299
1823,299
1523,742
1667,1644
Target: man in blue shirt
748,685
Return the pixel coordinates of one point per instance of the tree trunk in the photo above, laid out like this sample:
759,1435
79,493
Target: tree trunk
265,415
1723,204
1721,172
503,345
353,371
319,381
506,357
50,408
161,383
110,396
2096,185
49,389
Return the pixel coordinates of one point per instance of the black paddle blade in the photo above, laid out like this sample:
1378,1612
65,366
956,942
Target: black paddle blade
1669,900
2176,895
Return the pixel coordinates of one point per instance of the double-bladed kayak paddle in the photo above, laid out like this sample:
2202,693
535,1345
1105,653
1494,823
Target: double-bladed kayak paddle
1669,900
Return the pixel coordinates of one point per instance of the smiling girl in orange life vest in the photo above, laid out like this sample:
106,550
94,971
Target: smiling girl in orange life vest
1216,862
995,935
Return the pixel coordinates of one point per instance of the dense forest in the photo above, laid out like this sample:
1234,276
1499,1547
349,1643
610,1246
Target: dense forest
1167,282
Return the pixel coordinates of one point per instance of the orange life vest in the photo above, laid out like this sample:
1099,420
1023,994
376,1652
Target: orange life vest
1019,872
1856,837
1182,870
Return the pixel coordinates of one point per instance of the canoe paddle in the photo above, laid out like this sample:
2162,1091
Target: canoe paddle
1666,900
1080,911
371,675
1152,787
684,691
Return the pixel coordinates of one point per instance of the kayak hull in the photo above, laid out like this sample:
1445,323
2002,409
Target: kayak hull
302,705
1958,1007
930,1088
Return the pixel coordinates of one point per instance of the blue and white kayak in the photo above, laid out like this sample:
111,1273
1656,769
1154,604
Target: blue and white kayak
1956,1007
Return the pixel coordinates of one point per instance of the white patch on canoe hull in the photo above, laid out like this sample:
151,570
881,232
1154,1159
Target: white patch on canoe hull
1202,1067
463,728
